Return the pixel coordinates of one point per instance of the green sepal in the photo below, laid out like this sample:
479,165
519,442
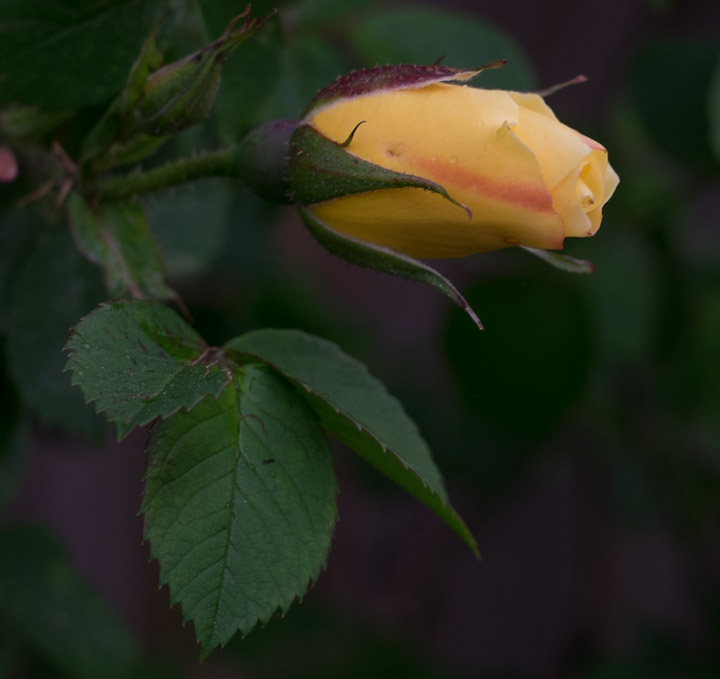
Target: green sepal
562,262
321,169
383,259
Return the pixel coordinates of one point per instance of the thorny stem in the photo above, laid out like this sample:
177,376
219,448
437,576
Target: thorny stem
218,163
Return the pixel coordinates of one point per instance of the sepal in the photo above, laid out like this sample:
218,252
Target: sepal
563,262
393,77
383,259
321,170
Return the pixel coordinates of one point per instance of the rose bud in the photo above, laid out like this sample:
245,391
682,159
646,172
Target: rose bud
527,178
398,162
158,101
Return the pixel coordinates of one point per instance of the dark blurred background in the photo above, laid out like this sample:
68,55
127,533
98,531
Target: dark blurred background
579,434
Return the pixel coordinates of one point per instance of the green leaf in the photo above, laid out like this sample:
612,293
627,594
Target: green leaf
357,409
383,259
70,53
423,35
49,605
53,289
116,237
174,215
324,13
239,504
275,76
140,360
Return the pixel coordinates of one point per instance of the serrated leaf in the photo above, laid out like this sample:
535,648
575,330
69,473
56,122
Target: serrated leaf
140,360
70,53
239,504
562,262
354,406
57,612
116,237
52,289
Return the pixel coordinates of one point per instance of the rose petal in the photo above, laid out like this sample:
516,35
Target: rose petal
464,141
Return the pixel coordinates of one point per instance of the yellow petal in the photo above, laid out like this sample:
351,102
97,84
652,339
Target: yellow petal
466,141
557,146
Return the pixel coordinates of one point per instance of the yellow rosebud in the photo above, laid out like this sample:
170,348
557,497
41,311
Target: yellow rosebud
527,178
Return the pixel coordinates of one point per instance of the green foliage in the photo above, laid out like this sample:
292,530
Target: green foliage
610,380
115,236
55,612
54,287
140,360
239,504
88,46
239,499
173,217
425,35
355,407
